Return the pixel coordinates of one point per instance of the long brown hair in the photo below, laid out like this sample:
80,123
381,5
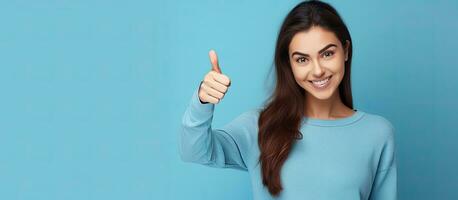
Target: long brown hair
280,119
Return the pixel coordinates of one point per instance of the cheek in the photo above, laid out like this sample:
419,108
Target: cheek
336,65
299,73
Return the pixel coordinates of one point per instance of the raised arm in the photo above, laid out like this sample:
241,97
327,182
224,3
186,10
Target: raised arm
200,143
226,147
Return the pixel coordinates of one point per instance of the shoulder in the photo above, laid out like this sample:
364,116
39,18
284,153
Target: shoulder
244,129
247,120
248,116
252,114
380,125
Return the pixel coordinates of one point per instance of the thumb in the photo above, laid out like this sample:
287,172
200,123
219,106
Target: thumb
214,61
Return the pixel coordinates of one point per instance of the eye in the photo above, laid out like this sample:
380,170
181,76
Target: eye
328,53
301,59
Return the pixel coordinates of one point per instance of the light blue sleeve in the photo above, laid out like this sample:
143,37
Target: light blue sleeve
385,183
199,143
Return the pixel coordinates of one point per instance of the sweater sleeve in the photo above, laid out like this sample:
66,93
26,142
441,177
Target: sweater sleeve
384,186
200,143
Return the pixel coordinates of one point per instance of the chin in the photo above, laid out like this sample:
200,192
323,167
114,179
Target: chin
321,95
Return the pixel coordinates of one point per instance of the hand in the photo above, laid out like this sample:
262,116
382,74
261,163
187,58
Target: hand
215,84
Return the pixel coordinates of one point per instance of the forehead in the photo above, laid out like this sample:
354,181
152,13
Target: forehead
312,40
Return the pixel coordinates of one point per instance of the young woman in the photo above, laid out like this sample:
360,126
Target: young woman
307,141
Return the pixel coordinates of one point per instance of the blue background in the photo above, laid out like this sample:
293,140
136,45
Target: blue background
92,92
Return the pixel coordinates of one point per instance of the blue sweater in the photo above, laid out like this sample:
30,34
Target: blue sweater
349,158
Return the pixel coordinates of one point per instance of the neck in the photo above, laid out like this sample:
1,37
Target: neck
331,108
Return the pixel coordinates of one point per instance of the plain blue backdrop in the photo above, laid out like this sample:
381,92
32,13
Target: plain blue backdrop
92,92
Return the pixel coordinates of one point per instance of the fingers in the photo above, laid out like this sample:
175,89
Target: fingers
209,94
216,85
212,92
210,99
220,78
214,61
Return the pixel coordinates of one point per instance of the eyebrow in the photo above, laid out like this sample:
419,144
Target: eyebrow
319,52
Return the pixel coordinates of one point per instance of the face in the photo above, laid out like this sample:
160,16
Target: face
317,60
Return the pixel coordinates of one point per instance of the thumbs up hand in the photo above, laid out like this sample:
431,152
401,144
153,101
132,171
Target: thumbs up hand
214,61
215,84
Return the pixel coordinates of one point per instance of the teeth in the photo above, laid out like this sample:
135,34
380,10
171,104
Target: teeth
321,82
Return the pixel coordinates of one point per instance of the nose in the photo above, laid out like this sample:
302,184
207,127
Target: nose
317,70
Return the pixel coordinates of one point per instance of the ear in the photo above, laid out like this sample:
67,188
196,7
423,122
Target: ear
347,47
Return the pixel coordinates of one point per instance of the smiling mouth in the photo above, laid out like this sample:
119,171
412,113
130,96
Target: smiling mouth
322,80
320,84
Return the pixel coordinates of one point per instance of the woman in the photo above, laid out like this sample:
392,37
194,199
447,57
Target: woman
307,141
